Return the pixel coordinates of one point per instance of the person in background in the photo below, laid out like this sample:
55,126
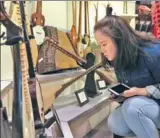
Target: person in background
135,58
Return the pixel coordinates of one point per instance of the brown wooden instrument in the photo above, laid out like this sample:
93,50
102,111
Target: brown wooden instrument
37,17
58,89
73,29
56,44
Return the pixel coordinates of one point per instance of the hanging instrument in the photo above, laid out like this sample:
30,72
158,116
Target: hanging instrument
73,29
38,22
37,17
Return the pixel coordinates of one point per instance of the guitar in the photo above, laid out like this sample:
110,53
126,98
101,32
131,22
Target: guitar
22,115
38,22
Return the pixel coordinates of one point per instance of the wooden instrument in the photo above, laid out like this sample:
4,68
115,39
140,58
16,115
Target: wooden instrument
86,36
36,97
46,57
50,60
96,9
38,22
37,17
73,29
80,45
22,113
56,44
58,89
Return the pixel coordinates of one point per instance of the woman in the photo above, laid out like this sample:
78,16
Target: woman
136,60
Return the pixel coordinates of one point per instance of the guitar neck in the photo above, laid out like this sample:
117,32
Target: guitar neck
39,7
78,77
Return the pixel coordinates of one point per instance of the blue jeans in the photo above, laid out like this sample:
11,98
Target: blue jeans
137,116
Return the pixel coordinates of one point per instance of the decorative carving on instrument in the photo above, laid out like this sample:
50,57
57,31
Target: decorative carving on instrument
56,44
46,57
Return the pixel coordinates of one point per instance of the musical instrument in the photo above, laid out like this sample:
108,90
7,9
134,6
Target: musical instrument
22,113
36,97
73,29
56,44
46,57
96,9
80,46
58,89
37,17
86,37
38,21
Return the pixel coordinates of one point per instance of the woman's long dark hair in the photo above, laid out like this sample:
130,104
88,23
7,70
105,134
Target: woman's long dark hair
129,42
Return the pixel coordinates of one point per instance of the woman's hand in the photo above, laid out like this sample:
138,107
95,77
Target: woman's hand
135,91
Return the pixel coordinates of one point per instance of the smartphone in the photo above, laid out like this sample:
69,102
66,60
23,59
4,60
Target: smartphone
118,89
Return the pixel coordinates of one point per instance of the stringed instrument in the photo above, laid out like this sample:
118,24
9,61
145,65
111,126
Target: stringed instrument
22,116
46,57
53,93
73,29
96,9
35,91
86,36
37,17
38,22
80,46
56,44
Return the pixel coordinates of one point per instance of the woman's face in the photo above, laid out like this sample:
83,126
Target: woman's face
107,46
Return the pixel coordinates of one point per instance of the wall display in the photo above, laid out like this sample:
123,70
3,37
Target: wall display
81,97
101,84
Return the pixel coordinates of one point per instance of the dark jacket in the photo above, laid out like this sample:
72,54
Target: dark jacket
146,74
